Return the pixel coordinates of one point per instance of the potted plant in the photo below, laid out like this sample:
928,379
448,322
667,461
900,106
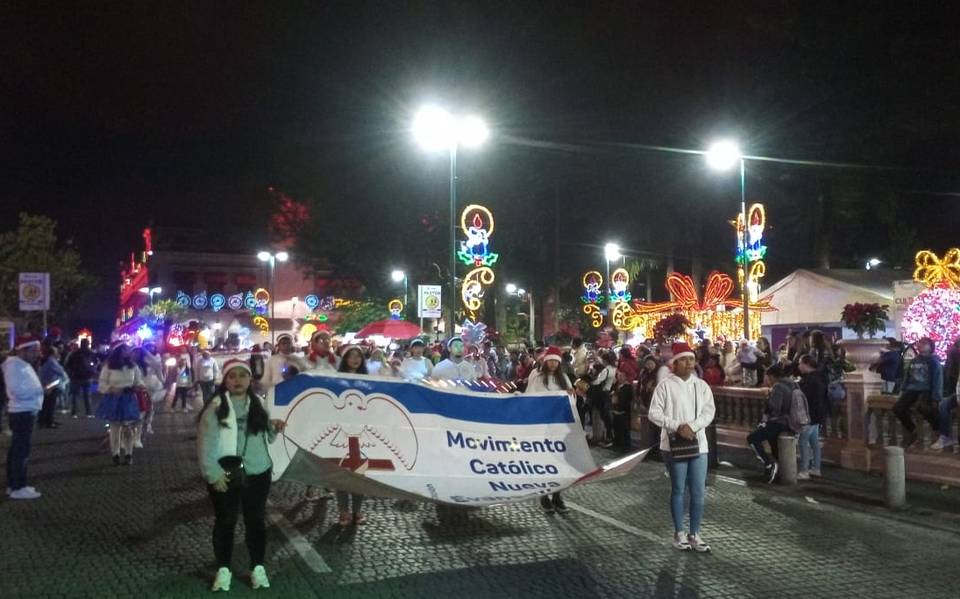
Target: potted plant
671,327
865,318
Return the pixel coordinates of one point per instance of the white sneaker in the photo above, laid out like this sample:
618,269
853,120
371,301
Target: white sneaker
25,493
942,443
697,544
680,542
816,474
803,475
222,581
138,444
258,578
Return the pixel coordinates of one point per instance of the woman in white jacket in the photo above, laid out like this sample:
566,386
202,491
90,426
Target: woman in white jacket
550,378
682,406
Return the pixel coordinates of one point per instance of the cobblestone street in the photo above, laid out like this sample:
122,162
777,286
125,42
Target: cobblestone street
144,531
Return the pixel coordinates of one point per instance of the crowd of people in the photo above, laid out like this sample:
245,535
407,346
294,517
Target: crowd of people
670,385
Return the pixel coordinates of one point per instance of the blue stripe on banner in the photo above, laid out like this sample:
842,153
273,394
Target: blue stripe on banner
490,408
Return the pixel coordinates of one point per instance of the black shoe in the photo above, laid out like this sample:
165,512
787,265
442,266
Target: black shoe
116,460
770,472
127,460
560,506
546,505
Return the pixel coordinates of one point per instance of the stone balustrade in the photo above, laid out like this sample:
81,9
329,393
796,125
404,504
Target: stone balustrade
859,428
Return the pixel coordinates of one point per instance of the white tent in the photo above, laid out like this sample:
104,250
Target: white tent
817,297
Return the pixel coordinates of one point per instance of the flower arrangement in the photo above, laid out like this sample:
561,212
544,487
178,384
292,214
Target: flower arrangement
671,327
865,318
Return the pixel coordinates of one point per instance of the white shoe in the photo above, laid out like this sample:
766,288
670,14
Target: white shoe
816,474
803,475
258,578
222,581
942,443
697,544
24,493
138,445
680,542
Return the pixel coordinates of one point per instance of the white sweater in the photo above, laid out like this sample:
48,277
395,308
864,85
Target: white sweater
535,383
677,401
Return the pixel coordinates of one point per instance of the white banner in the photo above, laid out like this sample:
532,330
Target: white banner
428,301
34,291
389,438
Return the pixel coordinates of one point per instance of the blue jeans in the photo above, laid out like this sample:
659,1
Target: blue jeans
692,475
810,441
21,425
946,420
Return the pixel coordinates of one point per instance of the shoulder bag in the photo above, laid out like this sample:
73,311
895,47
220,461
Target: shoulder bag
233,464
686,449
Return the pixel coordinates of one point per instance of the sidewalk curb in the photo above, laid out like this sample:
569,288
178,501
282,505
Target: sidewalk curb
931,519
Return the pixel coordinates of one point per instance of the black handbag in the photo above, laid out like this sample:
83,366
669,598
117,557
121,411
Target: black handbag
234,467
686,449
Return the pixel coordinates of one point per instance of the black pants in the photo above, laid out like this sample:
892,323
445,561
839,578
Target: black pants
21,425
621,430
81,388
207,388
182,395
226,508
926,407
50,399
769,432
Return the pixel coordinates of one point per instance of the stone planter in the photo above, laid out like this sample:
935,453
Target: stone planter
863,352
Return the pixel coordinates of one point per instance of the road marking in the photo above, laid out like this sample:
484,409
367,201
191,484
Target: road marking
732,481
300,544
615,523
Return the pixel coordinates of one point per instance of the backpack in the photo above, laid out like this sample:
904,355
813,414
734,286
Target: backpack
799,415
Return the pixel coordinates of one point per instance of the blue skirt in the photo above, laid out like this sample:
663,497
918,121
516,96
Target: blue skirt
119,407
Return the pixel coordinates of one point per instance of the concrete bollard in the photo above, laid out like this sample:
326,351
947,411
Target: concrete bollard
787,459
894,477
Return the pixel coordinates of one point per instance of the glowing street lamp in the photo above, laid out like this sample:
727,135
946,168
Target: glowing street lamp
520,292
873,263
399,276
722,156
150,292
272,259
611,252
435,129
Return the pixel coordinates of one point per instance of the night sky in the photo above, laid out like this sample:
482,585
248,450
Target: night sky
116,114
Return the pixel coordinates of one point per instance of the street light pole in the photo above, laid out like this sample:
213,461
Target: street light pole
273,333
453,237
744,296
722,156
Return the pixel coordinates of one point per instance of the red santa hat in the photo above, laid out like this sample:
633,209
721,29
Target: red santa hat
682,350
25,341
553,353
235,363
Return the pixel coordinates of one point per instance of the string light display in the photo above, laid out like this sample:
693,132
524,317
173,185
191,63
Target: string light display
715,314
477,224
395,307
592,296
935,312
750,248
620,281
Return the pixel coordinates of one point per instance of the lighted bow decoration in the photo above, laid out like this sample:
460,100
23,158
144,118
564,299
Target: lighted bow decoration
684,296
933,271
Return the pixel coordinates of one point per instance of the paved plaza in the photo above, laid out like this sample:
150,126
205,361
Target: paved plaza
144,531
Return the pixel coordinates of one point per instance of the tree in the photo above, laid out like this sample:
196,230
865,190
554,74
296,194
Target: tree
33,247
359,313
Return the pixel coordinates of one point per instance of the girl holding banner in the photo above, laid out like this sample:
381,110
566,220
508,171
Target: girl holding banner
550,377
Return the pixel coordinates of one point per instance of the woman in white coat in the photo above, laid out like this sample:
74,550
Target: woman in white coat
682,406
550,378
